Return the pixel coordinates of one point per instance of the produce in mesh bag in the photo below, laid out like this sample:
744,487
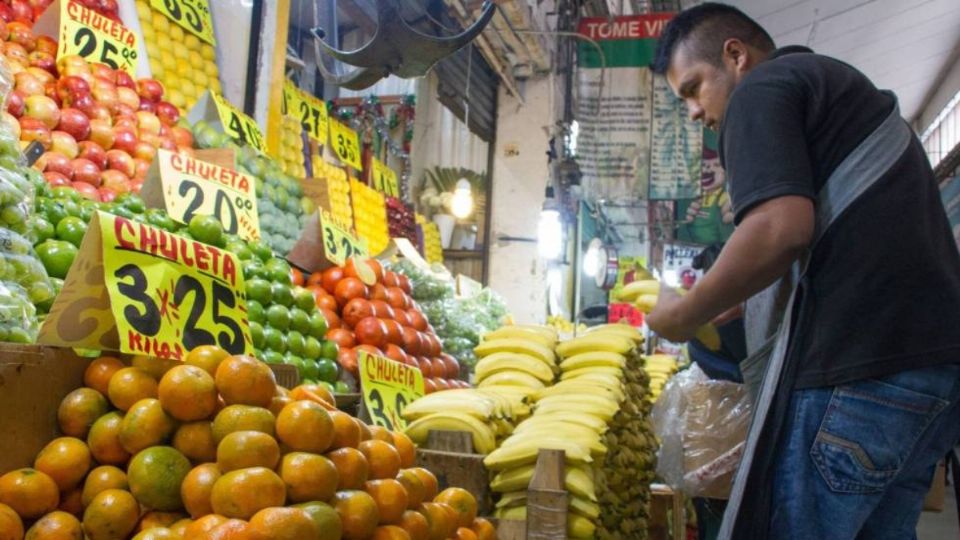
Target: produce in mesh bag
18,316
20,265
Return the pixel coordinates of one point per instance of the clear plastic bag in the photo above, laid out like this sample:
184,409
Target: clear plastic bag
19,264
702,424
18,316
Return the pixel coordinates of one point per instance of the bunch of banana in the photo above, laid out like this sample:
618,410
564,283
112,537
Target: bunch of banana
660,367
486,415
560,323
517,355
643,294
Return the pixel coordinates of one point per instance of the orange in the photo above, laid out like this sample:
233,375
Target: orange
309,477
102,478
405,447
484,529
365,434
198,528
462,501
231,529
188,393
130,385
245,380
155,367
306,426
429,481
98,373
104,440
146,424
113,513
179,528
317,391
29,492
66,460
415,490
243,449
55,526
286,523
416,525
358,514
71,501
390,532
241,494
155,475
352,467
157,533
464,533
391,498
157,520
206,357
79,410
196,488
383,458
326,518
380,433
242,418
11,527
278,402
195,440
346,431
441,519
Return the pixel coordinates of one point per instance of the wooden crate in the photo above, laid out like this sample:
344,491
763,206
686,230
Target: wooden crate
449,455
287,376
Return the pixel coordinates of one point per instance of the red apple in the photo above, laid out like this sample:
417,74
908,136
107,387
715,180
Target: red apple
150,138
94,152
15,103
55,179
22,11
144,151
87,191
109,7
182,136
11,121
74,122
115,181
63,142
6,14
21,33
107,195
42,60
28,84
70,86
82,102
118,160
124,110
136,185
168,113
124,139
150,89
85,170
140,168
43,75
48,45
98,111
32,129
167,144
102,71
127,122
105,93
16,52
149,122
43,109
101,132
147,105
165,130
54,162
128,96
50,90
124,80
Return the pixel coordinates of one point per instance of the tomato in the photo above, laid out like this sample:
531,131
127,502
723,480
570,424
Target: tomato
57,256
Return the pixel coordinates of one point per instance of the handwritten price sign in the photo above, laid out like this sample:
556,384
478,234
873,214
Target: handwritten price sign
345,144
338,244
384,179
388,387
86,33
192,186
310,111
191,15
238,125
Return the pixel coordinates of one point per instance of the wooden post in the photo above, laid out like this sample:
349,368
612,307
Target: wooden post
449,455
547,500
450,441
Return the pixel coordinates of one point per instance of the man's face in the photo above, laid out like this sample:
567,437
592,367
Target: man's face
704,87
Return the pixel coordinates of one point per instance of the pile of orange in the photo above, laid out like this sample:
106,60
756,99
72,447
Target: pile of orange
213,449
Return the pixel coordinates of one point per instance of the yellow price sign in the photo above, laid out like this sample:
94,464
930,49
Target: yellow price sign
338,244
238,125
86,33
346,144
388,387
384,179
191,15
191,186
310,111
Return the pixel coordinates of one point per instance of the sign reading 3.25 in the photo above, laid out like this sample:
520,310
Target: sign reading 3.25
338,244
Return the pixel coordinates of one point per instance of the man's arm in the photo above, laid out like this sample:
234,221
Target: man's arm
768,240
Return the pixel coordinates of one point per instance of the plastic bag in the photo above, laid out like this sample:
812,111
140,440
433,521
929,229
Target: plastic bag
702,424
19,264
18,316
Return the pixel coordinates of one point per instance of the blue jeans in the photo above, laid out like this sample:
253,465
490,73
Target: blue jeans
856,460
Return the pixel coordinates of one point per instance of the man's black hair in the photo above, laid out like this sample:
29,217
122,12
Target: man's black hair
704,29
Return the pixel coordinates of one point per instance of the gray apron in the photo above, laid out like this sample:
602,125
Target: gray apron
768,320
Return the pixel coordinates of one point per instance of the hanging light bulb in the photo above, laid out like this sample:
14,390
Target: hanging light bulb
549,229
592,259
462,203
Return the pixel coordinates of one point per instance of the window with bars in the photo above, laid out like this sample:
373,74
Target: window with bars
943,135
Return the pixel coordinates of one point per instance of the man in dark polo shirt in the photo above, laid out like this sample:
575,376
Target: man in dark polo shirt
842,237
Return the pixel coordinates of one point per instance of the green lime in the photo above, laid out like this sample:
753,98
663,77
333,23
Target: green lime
295,342
341,388
330,350
272,357
206,229
66,193
255,312
312,348
274,340
282,294
327,370
260,290
240,249
303,299
261,250
300,321
328,386
278,271
278,317
133,202
256,334
309,369
71,229
318,325
252,268
57,256
18,335
294,360
42,228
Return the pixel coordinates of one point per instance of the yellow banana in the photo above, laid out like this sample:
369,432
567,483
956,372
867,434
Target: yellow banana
595,342
587,371
483,437
526,452
578,480
585,438
585,508
580,386
587,376
464,401
501,361
511,378
632,290
516,498
600,400
577,525
645,302
620,329
587,420
599,411
517,512
516,345
708,335
508,332
593,359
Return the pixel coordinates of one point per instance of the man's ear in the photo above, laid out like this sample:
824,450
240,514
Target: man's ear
736,55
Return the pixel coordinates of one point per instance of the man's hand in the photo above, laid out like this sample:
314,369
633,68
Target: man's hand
667,318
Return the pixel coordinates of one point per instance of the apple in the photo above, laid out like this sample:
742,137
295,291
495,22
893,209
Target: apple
140,168
107,195
63,142
150,138
43,75
168,113
33,129
72,63
44,109
115,181
101,132
148,122
15,103
182,136
144,151
147,105
85,170
128,96
6,14
165,130
124,110
105,93
127,122
54,161
102,71
50,90
136,185
92,151
71,86
27,84
55,179
22,11
74,122
87,191
48,45
98,110
109,7
150,89
15,66
118,160
22,34
124,80
16,52
82,102
12,122
42,60
124,139
167,144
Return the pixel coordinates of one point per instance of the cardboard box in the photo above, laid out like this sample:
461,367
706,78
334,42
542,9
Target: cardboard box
33,381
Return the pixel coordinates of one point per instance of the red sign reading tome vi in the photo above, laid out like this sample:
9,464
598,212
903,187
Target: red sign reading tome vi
635,27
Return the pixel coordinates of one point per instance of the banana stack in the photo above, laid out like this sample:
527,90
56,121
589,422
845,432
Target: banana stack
643,294
660,367
518,356
597,414
488,416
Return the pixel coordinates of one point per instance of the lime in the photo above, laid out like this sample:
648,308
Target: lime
71,229
303,299
300,321
206,229
67,193
282,293
330,350
272,357
278,271
274,340
295,342
318,325
327,370
312,348
255,312
256,334
18,335
294,360
278,317
57,256
239,249
252,268
328,386
260,290
261,250
341,388
309,369
42,228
